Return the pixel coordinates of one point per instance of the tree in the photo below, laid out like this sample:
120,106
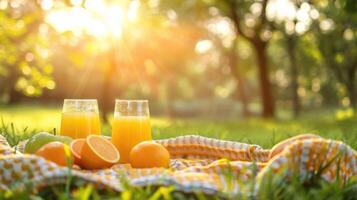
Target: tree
240,92
337,43
231,56
258,34
291,49
292,27
23,54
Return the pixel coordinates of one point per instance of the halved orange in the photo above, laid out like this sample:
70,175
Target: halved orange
76,148
98,153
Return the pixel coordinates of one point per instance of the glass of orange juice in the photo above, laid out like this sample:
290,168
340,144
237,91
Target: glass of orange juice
131,125
80,118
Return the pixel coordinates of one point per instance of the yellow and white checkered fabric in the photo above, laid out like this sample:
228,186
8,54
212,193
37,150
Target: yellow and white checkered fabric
198,164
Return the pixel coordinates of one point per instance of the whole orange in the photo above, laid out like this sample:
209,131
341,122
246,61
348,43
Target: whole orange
149,154
55,152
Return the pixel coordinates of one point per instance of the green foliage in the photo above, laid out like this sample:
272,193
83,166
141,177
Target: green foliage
13,134
23,54
35,56
339,54
350,6
296,189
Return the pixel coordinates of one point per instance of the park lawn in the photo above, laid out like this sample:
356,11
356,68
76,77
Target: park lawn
34,118
254,130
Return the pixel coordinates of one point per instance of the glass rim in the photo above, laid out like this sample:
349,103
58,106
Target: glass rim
88,100
132,100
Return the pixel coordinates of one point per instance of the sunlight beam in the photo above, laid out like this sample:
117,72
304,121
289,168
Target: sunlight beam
96,19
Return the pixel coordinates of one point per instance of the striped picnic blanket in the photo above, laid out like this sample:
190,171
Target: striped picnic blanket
197,164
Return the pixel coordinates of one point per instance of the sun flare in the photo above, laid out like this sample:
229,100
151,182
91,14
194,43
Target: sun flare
95,18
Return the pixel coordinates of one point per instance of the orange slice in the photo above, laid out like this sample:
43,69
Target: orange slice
149,154
98,153
76,148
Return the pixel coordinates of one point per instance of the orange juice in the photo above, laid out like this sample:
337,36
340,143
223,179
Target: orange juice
127,131
80,124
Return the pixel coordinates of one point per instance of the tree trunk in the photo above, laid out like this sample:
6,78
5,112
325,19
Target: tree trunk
352,95
240,89
14,96
291,43
351,87
170,95
107,100
266,95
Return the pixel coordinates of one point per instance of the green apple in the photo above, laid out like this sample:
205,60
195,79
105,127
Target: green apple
42,138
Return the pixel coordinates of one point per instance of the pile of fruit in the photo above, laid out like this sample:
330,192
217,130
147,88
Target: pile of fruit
94,152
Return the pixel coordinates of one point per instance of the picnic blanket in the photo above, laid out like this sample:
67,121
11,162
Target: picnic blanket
197,163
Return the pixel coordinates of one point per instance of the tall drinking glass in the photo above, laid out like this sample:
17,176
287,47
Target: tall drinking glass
80,118
131,125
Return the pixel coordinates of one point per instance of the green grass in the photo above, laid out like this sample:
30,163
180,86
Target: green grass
262,132
21,121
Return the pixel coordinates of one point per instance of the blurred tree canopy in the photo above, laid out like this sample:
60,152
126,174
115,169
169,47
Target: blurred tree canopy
23,50
339,55
239,56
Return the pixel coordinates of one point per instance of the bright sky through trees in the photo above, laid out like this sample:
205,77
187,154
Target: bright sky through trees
102,19
96,18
